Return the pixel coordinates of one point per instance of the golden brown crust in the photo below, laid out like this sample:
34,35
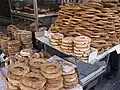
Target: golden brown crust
71,84
19,69
11,86
54,80
56,86
23,87
36,63
51,70
34,80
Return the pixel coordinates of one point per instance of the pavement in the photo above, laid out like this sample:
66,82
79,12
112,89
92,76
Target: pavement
112,84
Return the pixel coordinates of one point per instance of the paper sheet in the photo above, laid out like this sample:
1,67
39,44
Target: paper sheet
66,66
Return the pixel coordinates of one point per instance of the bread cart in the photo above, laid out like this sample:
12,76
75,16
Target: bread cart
89,75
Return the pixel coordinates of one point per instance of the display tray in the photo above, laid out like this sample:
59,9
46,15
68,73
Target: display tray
94,56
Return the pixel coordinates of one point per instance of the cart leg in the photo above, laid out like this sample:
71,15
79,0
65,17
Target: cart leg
113,65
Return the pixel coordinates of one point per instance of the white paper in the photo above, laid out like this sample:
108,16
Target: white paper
66,66
78,87
48,34
44,40
92,56
118,49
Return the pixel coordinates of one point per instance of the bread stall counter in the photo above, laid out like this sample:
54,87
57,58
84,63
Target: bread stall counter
88,74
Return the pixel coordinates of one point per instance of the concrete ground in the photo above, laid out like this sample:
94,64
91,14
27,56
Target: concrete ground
113,84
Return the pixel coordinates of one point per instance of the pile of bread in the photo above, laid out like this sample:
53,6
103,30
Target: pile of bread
13,47
56,40
37,73
16,40
79,45
67,44
82,47
24,56
97,19
24,36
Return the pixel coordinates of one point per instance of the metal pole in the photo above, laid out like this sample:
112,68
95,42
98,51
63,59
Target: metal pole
36,14
10,3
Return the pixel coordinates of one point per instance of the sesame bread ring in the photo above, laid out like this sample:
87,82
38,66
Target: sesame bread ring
41,54
66,48
19,69
51,70
36,63
70,84
11,86
13,77
61,89
35,55
82,39
80,43
68,45
54,41
53,87
70,78
18,56
69,73
81,46
54,80
67,40
82,49
26,52
23,87
85,55
42,88
14,82
34,80
78,52
7,88
84,58
78,55
57,36
56,85
35,70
